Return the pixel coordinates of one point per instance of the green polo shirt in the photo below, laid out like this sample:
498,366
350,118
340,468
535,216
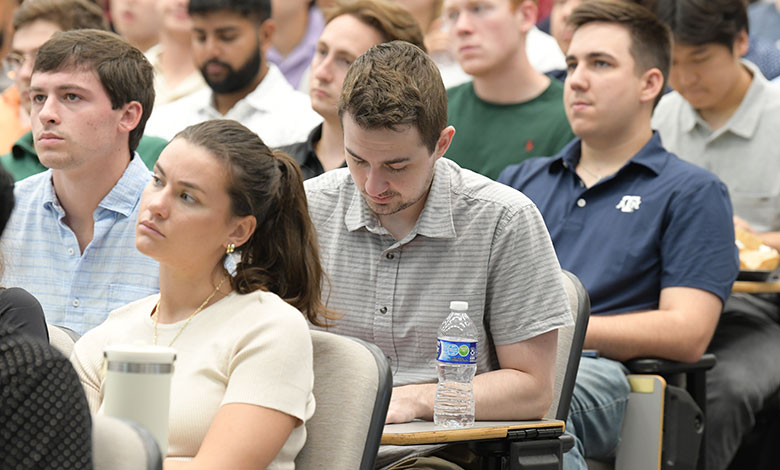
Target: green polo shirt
22,161
490,136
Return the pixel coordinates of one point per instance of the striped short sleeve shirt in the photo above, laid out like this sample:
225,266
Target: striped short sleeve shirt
41,253
475,240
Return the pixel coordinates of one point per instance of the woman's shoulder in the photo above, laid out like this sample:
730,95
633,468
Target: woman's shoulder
261,307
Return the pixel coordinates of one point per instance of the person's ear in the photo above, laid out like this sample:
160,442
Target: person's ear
264,33
243,228
131,116
741,44
444,141
526,13
651,85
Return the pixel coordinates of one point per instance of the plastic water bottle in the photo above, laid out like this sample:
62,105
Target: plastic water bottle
456,358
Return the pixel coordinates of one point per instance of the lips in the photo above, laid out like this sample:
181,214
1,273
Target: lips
381,199
149,227
465,50
320,93
49,138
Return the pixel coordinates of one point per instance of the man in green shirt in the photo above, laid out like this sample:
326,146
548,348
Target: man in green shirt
510,111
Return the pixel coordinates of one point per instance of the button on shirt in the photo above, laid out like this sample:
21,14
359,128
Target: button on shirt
41,253
743,153
475,241
658,222
275,111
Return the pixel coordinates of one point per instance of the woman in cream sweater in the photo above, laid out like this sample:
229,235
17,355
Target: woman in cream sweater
242,387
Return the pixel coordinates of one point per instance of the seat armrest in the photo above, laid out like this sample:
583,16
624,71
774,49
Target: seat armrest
651,365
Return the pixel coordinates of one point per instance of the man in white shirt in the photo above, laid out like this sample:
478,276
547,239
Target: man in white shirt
230,39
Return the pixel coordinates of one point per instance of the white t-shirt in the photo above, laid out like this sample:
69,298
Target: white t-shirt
252,348
275,111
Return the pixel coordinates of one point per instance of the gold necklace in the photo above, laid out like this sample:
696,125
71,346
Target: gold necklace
157,313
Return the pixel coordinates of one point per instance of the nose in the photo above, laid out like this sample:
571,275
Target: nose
463,24
210,48
47,112
323,68
576,78
155,200
683,76
376,183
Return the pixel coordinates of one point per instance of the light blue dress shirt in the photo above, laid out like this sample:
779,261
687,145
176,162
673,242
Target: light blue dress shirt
41,254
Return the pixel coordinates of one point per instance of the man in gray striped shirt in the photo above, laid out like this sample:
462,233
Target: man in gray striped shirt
403,232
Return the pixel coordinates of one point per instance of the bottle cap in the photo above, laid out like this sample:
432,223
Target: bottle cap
459,306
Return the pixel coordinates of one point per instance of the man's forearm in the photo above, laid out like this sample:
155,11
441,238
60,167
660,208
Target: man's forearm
679,330
504,394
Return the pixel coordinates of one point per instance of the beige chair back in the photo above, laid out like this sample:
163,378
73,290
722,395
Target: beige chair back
570,341
62,338
352,387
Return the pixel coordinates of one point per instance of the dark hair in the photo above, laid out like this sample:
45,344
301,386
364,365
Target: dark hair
396,84
257,10
391,20
122,69
699,22
282,255
651,43
67,14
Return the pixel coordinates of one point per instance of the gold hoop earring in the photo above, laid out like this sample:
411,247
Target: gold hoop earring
231,247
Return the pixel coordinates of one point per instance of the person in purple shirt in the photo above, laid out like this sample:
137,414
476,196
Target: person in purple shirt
299,24
649,235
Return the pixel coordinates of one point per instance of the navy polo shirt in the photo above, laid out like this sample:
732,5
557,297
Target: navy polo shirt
658,222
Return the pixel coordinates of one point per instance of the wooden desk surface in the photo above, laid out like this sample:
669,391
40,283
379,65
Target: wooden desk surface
425,432
753,287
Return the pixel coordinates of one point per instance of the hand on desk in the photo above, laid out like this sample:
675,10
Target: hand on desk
409,402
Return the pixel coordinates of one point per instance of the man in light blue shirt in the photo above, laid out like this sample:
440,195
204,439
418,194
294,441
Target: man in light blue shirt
71,238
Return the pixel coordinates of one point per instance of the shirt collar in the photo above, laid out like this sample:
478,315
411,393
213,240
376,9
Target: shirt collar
435,220
745,119
651,156
123,197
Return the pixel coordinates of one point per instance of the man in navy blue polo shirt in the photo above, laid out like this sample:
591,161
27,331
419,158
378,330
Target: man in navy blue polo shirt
650,236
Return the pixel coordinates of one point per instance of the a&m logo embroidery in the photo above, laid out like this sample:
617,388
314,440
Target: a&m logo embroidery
629,203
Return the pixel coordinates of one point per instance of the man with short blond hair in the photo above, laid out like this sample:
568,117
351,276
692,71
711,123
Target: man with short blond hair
510,111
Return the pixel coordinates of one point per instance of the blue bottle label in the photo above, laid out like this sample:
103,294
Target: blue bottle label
456,352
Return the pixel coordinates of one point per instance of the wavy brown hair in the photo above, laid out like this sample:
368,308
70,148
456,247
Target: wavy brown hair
282,255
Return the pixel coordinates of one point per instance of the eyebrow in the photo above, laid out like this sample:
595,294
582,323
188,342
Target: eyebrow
66,87
388,162
222,30
180,183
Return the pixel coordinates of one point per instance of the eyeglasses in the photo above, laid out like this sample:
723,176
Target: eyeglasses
13,61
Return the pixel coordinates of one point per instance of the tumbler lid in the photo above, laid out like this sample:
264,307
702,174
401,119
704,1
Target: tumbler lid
140,353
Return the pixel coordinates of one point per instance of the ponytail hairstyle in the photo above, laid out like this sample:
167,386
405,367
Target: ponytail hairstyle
282,255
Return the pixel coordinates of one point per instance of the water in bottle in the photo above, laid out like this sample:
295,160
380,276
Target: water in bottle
456,358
